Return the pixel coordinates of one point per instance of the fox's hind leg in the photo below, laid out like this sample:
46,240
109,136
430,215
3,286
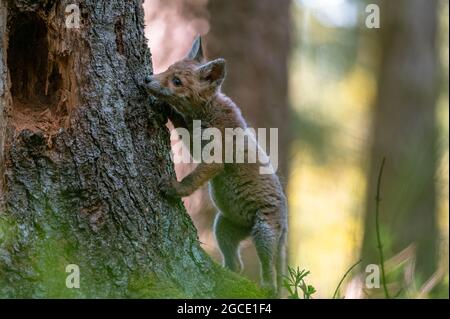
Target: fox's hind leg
228,237
265,238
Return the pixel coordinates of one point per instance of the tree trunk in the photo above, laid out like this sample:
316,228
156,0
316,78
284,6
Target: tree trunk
404,133
82,150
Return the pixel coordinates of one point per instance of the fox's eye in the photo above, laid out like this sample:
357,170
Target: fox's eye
176,81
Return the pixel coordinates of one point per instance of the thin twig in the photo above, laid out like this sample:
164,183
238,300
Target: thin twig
377,225
343,277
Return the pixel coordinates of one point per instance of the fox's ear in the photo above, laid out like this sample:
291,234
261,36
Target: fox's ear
213,72
196,52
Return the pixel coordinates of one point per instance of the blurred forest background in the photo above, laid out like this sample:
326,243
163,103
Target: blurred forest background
343,97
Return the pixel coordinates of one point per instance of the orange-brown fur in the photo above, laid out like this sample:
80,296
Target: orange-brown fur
248,203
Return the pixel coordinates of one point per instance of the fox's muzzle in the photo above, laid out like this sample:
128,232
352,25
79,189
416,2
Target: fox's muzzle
154,87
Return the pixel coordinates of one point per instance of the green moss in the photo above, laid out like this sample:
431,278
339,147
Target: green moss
150,286
230,285
50,261
8,230
52,246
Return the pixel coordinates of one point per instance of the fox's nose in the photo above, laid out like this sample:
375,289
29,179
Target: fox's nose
148,79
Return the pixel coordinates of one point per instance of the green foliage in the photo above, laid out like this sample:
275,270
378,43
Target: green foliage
295,282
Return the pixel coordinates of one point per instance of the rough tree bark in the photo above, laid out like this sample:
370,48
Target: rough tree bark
404,133
82,150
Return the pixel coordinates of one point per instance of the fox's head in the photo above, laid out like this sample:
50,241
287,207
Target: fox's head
188,85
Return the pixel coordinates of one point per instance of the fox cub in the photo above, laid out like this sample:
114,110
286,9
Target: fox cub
248,203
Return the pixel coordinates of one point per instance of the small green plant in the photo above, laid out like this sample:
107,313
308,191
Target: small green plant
295,282
377,228
336,292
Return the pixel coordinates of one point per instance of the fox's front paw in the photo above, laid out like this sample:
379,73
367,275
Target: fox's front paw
168,187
